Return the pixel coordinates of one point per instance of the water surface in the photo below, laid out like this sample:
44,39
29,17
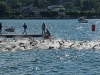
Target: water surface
76,49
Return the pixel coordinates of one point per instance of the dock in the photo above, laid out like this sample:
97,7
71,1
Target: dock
21,35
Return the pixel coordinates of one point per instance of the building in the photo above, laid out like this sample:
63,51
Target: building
56,8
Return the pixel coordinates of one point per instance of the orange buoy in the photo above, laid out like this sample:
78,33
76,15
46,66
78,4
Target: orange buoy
93,27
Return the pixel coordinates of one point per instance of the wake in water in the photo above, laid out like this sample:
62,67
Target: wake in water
31,43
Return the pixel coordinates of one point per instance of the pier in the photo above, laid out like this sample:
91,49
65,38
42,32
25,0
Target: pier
21,35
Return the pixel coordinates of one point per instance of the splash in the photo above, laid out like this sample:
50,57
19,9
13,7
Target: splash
31,43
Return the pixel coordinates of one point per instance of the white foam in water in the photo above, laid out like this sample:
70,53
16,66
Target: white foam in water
27,44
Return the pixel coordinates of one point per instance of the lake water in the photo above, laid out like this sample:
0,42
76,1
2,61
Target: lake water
73,50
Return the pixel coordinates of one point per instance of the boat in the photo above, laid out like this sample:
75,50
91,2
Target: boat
82,20
11,29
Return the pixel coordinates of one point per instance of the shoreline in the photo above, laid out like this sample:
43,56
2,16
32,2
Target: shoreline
47,18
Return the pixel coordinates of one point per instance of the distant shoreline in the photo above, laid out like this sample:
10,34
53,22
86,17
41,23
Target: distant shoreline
45,18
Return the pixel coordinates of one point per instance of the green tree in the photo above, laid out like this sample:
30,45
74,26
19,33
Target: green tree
14,4
18,5
17,13
89,3
43,3
49,14
23,1
3,8
68,5
32,13
97,7
7,13
55,2
40,3
78,2
36,3
13,1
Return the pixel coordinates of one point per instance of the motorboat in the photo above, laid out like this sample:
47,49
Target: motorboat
82,20
11,29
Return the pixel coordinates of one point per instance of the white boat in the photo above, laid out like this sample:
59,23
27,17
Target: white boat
9,29
82,20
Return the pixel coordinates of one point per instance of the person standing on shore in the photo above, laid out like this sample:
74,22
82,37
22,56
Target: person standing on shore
43,28
0,28
25,27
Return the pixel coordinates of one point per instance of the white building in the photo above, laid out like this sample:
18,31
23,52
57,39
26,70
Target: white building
56,7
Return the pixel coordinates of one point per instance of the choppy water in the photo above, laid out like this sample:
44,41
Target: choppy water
73,50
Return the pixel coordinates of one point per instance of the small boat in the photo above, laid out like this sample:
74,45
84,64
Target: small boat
82,20
10,29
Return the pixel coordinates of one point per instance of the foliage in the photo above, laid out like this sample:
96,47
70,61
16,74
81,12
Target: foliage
17,13
82,4
32,13
73,7
7,14
61,10
55,2
49,14
68,5
3,8
97,7
36,3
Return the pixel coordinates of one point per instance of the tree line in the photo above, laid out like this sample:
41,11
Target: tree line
80,5
72,6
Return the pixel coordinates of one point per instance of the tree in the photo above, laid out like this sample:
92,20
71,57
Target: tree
89,3
97,7
55,2
17,13
7,13
68,5
32,13
13,2
49,14
40,3
36,3
43,3
78,2
18,5
3,8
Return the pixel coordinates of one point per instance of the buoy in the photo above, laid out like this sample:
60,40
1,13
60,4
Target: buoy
93,27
